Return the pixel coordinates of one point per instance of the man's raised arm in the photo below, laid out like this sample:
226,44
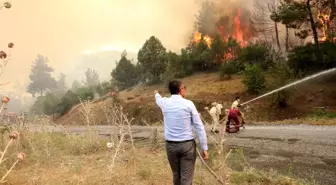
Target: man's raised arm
158,98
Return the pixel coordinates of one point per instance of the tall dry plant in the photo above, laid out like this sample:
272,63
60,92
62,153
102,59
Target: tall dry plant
12,136
121,128
4,58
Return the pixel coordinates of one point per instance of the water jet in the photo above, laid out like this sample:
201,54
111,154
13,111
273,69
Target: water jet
326,72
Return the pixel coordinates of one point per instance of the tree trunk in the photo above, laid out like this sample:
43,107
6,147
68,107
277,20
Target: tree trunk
313,26
287,38
277,35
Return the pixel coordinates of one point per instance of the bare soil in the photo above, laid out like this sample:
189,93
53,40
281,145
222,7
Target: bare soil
205,88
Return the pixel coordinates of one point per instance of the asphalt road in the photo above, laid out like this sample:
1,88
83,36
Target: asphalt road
307,152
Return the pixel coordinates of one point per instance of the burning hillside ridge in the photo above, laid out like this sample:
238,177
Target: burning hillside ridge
226,19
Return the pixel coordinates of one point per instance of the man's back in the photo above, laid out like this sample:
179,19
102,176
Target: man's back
177,113
180,116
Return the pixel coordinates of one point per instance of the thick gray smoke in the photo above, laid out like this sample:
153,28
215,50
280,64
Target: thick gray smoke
223,16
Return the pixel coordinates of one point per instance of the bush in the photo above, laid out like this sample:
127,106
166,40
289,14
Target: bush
260,54
303,58
281,74
125,73
254,79
67,102
227,69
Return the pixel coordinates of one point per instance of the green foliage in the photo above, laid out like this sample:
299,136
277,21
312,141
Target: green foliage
61,83
304,60
40,77
125,73
291,13
67,102
38,105
227,69
150,58
76,85
91,78
174,68
218,46
50,104
105,87
254,79
324,114
281,74
259,54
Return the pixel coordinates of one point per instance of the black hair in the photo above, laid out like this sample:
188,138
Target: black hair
174,86
237,97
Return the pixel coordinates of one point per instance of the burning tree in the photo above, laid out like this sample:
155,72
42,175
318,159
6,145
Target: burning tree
223,29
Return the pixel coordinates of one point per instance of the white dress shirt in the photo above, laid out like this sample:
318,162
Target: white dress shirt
180,117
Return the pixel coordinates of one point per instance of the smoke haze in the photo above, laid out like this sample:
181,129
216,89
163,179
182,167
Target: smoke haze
78,34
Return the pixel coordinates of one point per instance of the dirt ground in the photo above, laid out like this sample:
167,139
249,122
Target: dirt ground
205,88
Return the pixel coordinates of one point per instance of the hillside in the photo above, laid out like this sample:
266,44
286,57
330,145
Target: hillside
206,88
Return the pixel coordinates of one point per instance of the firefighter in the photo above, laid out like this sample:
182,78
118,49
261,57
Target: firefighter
234,115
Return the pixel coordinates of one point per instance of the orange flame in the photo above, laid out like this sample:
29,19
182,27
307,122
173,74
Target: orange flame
208,40
238,34
197,37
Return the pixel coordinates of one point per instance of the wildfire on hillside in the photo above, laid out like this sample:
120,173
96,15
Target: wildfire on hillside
228,26
238,33
327,28
324,20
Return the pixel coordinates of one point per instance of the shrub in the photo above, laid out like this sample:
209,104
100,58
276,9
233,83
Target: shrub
125,73
67,102
260,54
281,74
228,68
254,79
303,58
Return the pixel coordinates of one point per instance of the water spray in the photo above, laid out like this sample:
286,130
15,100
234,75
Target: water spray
293,83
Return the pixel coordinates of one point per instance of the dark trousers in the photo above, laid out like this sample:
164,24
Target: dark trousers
182,157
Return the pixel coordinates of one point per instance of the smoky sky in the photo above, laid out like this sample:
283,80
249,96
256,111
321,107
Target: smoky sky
67,30
64,30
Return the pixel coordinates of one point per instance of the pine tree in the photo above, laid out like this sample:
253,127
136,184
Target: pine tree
40,76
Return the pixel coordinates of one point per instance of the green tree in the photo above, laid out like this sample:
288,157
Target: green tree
61,83
75,85
67,102
294,14
254,79
150,58
281,74
259,53
40,77
227,69
218,48
125,73
91,79
50,104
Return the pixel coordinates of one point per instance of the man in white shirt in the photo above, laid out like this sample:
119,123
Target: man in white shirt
180,118
235,103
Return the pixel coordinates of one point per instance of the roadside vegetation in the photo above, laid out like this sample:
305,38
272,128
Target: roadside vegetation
89,158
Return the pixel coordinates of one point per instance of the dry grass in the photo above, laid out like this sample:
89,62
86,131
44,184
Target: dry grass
62,158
